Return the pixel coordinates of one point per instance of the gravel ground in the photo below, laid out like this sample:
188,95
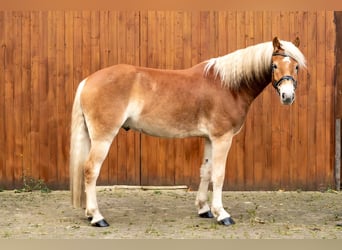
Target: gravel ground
171,214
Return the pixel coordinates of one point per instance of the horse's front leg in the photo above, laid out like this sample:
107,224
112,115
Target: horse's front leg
202,193
220,149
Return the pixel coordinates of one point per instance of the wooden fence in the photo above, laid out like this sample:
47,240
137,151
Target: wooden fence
45,54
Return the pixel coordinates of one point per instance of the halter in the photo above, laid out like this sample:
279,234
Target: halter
286,77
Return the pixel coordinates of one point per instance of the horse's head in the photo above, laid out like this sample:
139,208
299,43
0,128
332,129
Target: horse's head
284,72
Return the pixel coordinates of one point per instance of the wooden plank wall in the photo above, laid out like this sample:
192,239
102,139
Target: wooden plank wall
338,76
44,55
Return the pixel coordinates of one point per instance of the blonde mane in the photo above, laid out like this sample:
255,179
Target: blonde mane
249,64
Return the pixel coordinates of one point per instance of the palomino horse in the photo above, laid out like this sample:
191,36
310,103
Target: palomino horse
210,100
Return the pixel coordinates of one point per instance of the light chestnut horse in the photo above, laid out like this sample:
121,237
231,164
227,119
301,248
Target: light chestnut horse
210,100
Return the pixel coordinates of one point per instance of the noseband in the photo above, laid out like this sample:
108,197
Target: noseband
286,77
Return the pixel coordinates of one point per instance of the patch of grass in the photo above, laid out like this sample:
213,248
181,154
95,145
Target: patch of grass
7,234
169,220
331,191
157,192
152,231
106,232
31,184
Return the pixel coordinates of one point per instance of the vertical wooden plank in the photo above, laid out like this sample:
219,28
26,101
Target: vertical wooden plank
63,118
206,30
259,138
43,96
293,141
195,37
312,96
182,172
128,39
266,119
95,38
187,40
68,85
133,137
196,145
17,100
9,95
329,97
173,23
122,138
240,138
321,100
144,60
93,35
113,59
26,88
100,52
104,39
78,49
35,112
301,160
250,122
234,173
276,124
86,44
193,26
338,73
52,96
2,100
149,159
222,35
285,116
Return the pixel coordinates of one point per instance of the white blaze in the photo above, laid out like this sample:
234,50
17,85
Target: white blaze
286,59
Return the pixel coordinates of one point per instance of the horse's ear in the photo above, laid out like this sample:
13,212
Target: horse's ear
296,42
276,43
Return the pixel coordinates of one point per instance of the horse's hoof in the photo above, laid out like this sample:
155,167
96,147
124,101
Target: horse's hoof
227,221
207,214
101,223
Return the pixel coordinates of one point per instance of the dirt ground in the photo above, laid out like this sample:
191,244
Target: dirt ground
171,214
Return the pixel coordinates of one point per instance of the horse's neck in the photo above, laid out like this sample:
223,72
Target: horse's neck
256,88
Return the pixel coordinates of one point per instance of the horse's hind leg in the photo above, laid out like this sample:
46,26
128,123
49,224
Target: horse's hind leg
202,193
97,154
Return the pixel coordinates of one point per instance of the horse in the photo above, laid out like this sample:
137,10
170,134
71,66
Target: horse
209,100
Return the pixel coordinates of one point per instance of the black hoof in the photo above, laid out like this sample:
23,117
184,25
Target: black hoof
227,221
101,223
206,215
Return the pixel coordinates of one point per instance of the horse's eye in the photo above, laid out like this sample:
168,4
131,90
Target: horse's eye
297,68
274,66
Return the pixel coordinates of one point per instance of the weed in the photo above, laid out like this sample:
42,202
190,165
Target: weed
157,192
7,234
31,184
331,191
152,231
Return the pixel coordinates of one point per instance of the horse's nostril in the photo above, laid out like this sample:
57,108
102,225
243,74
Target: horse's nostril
283,96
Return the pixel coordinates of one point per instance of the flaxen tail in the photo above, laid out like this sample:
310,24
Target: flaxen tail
79,150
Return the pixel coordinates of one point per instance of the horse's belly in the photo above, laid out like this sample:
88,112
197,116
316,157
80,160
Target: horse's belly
164,129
